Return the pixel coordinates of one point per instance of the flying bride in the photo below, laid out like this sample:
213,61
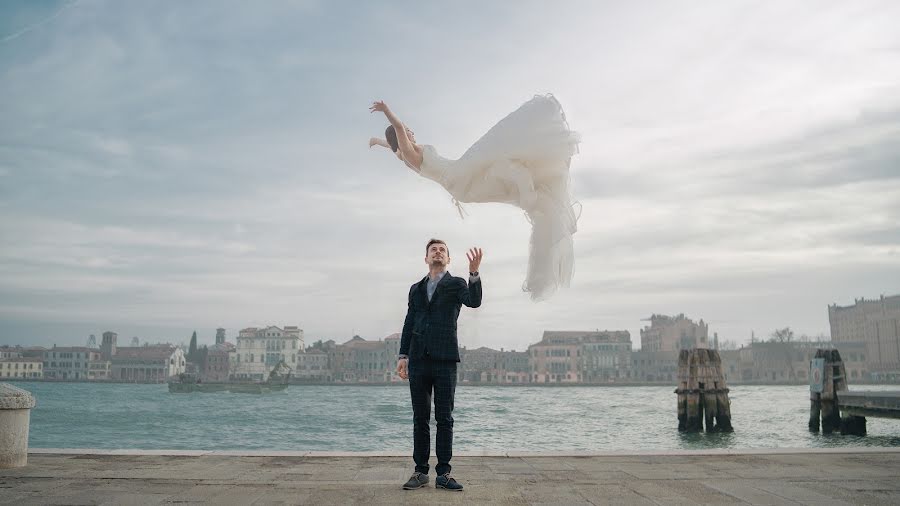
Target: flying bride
524,161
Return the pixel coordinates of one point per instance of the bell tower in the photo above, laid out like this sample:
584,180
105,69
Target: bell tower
108,345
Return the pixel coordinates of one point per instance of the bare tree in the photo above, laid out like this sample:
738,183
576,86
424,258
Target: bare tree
728,344
784,335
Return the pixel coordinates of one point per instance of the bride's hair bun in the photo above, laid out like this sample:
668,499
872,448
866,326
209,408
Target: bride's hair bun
390,135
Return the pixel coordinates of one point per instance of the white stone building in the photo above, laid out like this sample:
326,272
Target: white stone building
7,351
259,350
21,368
75,363
147,364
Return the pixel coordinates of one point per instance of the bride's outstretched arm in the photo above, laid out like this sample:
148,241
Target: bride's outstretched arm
375,141
403,142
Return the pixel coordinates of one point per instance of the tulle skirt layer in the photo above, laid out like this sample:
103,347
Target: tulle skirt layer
524,161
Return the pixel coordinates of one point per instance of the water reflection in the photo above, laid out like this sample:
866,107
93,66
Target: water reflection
703,440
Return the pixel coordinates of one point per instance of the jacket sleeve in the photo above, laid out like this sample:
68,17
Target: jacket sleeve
406,334
470,295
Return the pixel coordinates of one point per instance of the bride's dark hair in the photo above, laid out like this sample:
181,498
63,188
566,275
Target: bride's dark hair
390,135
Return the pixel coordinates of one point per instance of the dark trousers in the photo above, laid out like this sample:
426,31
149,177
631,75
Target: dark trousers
437,377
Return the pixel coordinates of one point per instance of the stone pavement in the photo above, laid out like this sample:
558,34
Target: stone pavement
854,476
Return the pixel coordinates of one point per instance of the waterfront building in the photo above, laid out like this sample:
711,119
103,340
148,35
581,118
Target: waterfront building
487,365
259,350
21,368
312,366
654,366
875,322
75,363
148,364
737,365
7,351
788,362
674,333
556,358
581,357
606,356
362,361
479,365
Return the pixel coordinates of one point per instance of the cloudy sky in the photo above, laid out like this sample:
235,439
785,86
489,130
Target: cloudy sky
171,166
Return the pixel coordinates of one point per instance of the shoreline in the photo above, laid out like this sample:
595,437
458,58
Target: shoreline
461,383
467,453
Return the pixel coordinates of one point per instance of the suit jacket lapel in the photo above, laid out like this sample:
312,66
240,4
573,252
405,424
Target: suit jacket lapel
423,290
444,280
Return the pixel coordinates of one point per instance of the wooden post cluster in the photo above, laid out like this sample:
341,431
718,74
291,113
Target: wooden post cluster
834,378
702,393
825,404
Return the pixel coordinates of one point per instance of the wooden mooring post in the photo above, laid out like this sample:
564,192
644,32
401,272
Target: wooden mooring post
828,377
702,393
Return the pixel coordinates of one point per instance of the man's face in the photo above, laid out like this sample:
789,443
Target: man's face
437,255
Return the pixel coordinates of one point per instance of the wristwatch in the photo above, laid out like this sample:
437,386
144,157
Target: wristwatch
473,273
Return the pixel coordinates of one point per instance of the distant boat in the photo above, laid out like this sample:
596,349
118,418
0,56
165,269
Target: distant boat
189,383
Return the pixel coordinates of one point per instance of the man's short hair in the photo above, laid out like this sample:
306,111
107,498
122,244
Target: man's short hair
436,241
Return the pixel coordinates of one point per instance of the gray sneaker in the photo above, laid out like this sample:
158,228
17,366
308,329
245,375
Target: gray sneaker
417,480
446,482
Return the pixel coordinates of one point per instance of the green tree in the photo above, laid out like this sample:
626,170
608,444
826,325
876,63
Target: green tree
192,349
202,357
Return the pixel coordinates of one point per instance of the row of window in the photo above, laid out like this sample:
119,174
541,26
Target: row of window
269,345
568,352
68,354
801,374
274,358
9,365
269,358
19,374
607,347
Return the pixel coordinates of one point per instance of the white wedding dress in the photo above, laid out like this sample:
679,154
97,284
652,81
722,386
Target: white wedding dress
524,161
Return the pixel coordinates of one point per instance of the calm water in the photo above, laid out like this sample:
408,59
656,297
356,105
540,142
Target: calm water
351,418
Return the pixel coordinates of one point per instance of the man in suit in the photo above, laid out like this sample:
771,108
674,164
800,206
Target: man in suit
429,352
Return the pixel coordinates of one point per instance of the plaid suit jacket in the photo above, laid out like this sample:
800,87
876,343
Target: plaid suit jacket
430,327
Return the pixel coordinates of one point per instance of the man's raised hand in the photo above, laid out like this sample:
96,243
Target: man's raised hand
474,255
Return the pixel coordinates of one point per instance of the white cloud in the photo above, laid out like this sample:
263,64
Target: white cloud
200,165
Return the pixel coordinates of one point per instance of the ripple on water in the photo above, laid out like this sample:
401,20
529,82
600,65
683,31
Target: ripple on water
366,418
